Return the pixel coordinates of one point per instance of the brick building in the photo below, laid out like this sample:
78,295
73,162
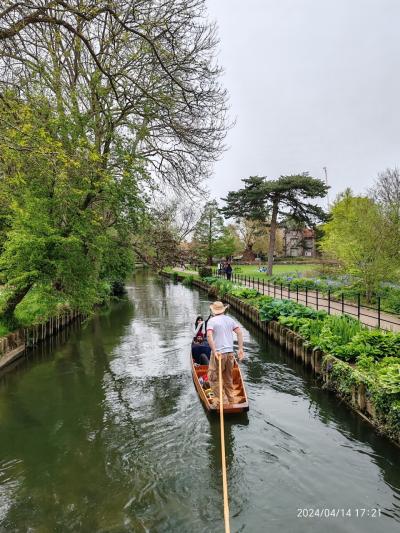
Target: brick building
299,243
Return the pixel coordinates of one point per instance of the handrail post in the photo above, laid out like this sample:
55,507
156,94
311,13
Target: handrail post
316,292
329,301
274,289
379,312
359,306
281,290
297,293
306,296
288,291
263,285
342,303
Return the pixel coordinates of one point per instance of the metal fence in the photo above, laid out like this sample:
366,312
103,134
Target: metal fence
371,316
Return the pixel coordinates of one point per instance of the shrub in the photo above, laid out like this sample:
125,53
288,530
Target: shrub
335,333
4,330
244,293
210,280
295,323
391,302
188,280
223,286
273,309
42,302
205,271
374,343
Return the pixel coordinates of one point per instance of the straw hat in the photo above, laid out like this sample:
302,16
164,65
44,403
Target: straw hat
218,308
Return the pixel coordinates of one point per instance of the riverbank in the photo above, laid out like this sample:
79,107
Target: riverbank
14,345
41,314
369,387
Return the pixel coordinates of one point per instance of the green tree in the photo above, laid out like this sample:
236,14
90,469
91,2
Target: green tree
210,235
358,237
111,101
55,238
267,200
228,244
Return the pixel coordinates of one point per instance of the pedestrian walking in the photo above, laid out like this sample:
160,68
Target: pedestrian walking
228,271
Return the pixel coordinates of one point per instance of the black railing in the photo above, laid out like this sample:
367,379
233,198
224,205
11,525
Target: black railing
369,315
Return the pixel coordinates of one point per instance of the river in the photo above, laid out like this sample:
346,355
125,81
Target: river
101,430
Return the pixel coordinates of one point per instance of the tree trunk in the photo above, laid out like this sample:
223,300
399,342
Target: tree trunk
12,303
272,237
210,255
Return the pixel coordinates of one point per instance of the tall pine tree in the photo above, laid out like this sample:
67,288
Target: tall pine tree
266,200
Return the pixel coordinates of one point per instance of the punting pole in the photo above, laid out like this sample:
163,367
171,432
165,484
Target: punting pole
223,461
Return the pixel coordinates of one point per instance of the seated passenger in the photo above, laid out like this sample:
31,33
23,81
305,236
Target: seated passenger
199,327
201,352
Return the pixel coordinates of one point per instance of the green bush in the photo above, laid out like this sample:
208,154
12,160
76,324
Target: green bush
210,280
333,333
391,301
295,323
205,271
4,330
223,286
374,343
244,293
188,280
273,309
39,304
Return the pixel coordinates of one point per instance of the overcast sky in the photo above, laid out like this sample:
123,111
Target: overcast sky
312,83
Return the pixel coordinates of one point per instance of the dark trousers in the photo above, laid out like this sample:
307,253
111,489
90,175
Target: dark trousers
201,359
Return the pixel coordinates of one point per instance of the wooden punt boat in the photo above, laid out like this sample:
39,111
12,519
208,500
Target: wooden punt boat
242,403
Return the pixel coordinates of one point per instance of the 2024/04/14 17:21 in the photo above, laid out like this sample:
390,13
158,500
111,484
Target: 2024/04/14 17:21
326,512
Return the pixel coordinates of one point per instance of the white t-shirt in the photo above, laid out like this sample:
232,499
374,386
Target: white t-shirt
222,327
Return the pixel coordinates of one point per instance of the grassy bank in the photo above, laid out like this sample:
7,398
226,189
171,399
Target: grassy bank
42,303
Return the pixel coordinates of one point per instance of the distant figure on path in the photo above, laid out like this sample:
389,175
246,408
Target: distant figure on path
220,329
228,271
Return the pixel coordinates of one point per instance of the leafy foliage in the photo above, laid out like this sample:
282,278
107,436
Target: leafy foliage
113,110
205,272
374,343
244,293
188,280
273,309
359,236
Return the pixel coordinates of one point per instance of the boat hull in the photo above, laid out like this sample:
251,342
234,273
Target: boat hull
242,404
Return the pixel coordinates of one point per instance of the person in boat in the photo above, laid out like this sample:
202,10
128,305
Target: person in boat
201,351
220,330
199,327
